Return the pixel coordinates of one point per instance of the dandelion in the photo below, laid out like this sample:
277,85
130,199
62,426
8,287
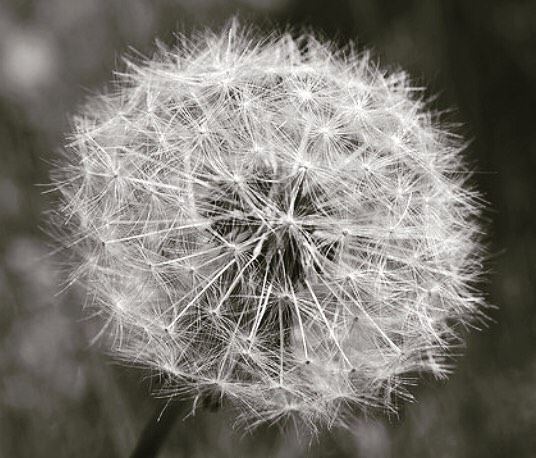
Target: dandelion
276,223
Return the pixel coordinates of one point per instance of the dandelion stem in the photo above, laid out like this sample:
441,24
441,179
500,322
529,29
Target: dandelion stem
157,429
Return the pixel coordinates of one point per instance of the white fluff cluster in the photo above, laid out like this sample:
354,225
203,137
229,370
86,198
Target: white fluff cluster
275,223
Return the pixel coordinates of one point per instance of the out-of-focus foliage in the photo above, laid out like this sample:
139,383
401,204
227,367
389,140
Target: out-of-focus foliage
61,397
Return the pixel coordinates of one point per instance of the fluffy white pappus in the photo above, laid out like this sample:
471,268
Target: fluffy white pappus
273,222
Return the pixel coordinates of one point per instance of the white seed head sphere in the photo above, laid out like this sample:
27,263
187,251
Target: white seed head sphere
273,222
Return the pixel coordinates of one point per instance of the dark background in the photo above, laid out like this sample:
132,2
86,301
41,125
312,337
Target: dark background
59,396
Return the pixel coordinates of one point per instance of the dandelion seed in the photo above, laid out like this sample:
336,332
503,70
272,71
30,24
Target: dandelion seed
278,223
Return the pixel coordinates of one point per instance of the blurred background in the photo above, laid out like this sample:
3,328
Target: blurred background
62,397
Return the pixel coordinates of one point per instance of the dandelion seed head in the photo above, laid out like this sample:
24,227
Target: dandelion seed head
273,222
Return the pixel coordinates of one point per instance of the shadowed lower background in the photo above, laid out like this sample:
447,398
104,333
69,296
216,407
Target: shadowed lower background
59,396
